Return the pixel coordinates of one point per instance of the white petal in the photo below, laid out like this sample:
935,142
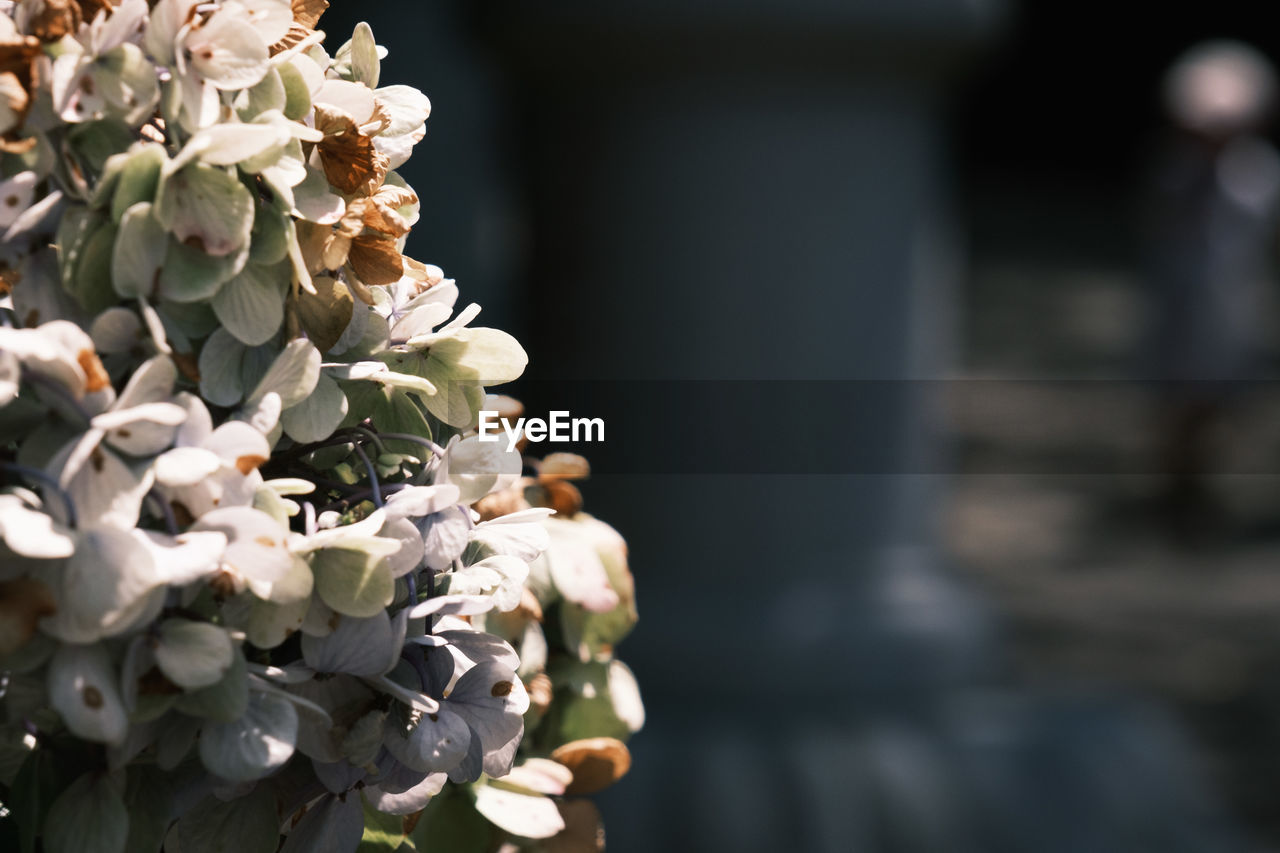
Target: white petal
186,558
526,815
419,501
185,466
228,52
82,689
104,586
257,546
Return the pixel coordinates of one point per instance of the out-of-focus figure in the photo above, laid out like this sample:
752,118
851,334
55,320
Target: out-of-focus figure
1211,232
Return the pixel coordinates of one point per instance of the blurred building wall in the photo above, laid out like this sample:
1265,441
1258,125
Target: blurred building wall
754,191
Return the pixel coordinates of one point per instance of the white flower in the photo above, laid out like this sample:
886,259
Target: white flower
210,468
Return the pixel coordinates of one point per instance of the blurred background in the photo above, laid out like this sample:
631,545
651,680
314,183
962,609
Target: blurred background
934,341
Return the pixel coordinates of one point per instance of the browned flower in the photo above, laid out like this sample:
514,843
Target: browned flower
306,13
17,87
365,237
350,161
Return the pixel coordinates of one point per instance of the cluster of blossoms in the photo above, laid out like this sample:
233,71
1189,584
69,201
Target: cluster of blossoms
258,576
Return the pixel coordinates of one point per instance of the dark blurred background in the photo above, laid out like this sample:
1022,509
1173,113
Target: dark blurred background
1014,631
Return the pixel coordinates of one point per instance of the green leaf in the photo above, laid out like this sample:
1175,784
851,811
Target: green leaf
249,824
353,583
450,822
383,833
251,304
140,248
584,707
148,797
88,817
207,207
33,791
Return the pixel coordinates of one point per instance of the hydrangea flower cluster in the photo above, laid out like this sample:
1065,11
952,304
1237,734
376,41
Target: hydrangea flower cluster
261,586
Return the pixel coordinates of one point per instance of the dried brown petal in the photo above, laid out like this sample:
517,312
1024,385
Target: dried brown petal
596,763
560,495
50,20
324,315
348,157
313,240
17,87
430,276
500,503
308,12
375,259
374,213
296,34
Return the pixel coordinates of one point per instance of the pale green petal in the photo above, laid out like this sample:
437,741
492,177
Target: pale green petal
364,56
190,274
251,304
219,364
140,249
268,94
318,415
193,654
293,374
297,94
206,206
254,745
139,177
352,582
